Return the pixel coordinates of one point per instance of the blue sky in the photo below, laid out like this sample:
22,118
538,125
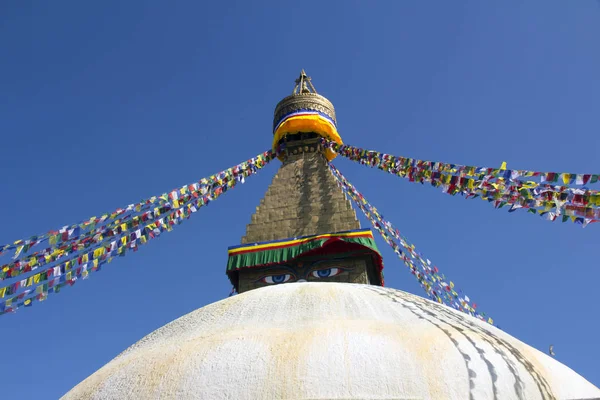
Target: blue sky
106,103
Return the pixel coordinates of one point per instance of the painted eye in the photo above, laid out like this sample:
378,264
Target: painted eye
326,273
275,279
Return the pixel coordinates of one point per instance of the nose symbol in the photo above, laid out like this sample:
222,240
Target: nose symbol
301,280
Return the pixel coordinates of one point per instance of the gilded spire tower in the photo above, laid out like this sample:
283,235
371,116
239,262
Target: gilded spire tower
304,225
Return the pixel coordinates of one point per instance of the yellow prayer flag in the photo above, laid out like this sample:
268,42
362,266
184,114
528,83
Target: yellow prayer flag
503,166
98,252
2,292
36,278
19,249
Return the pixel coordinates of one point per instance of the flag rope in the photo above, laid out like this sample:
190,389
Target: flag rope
87,228
429,277
132,236
499,186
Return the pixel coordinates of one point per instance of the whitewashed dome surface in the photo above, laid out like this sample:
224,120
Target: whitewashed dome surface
331,341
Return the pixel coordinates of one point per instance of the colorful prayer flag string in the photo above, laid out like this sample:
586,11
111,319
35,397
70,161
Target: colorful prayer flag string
87,229
464,170
101,235
436,285
56,276
498,186
75,240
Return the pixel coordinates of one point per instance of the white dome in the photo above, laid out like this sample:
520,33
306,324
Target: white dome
331,341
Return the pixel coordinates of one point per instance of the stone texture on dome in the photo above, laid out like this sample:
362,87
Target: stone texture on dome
331,341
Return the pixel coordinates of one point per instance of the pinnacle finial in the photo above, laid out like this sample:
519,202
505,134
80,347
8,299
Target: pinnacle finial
303,84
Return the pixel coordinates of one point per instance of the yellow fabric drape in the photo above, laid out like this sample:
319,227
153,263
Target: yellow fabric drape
308,123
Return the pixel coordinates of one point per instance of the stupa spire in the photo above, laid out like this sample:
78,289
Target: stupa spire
304,198
303,84
304,228
303,118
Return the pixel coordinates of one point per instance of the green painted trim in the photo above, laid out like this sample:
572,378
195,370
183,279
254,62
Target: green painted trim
281,255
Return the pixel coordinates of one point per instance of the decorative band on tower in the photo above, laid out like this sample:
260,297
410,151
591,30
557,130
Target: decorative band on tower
305,112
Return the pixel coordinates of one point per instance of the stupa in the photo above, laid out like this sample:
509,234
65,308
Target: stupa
313,320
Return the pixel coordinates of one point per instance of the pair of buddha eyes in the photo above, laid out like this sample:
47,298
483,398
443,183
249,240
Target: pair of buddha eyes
319,274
